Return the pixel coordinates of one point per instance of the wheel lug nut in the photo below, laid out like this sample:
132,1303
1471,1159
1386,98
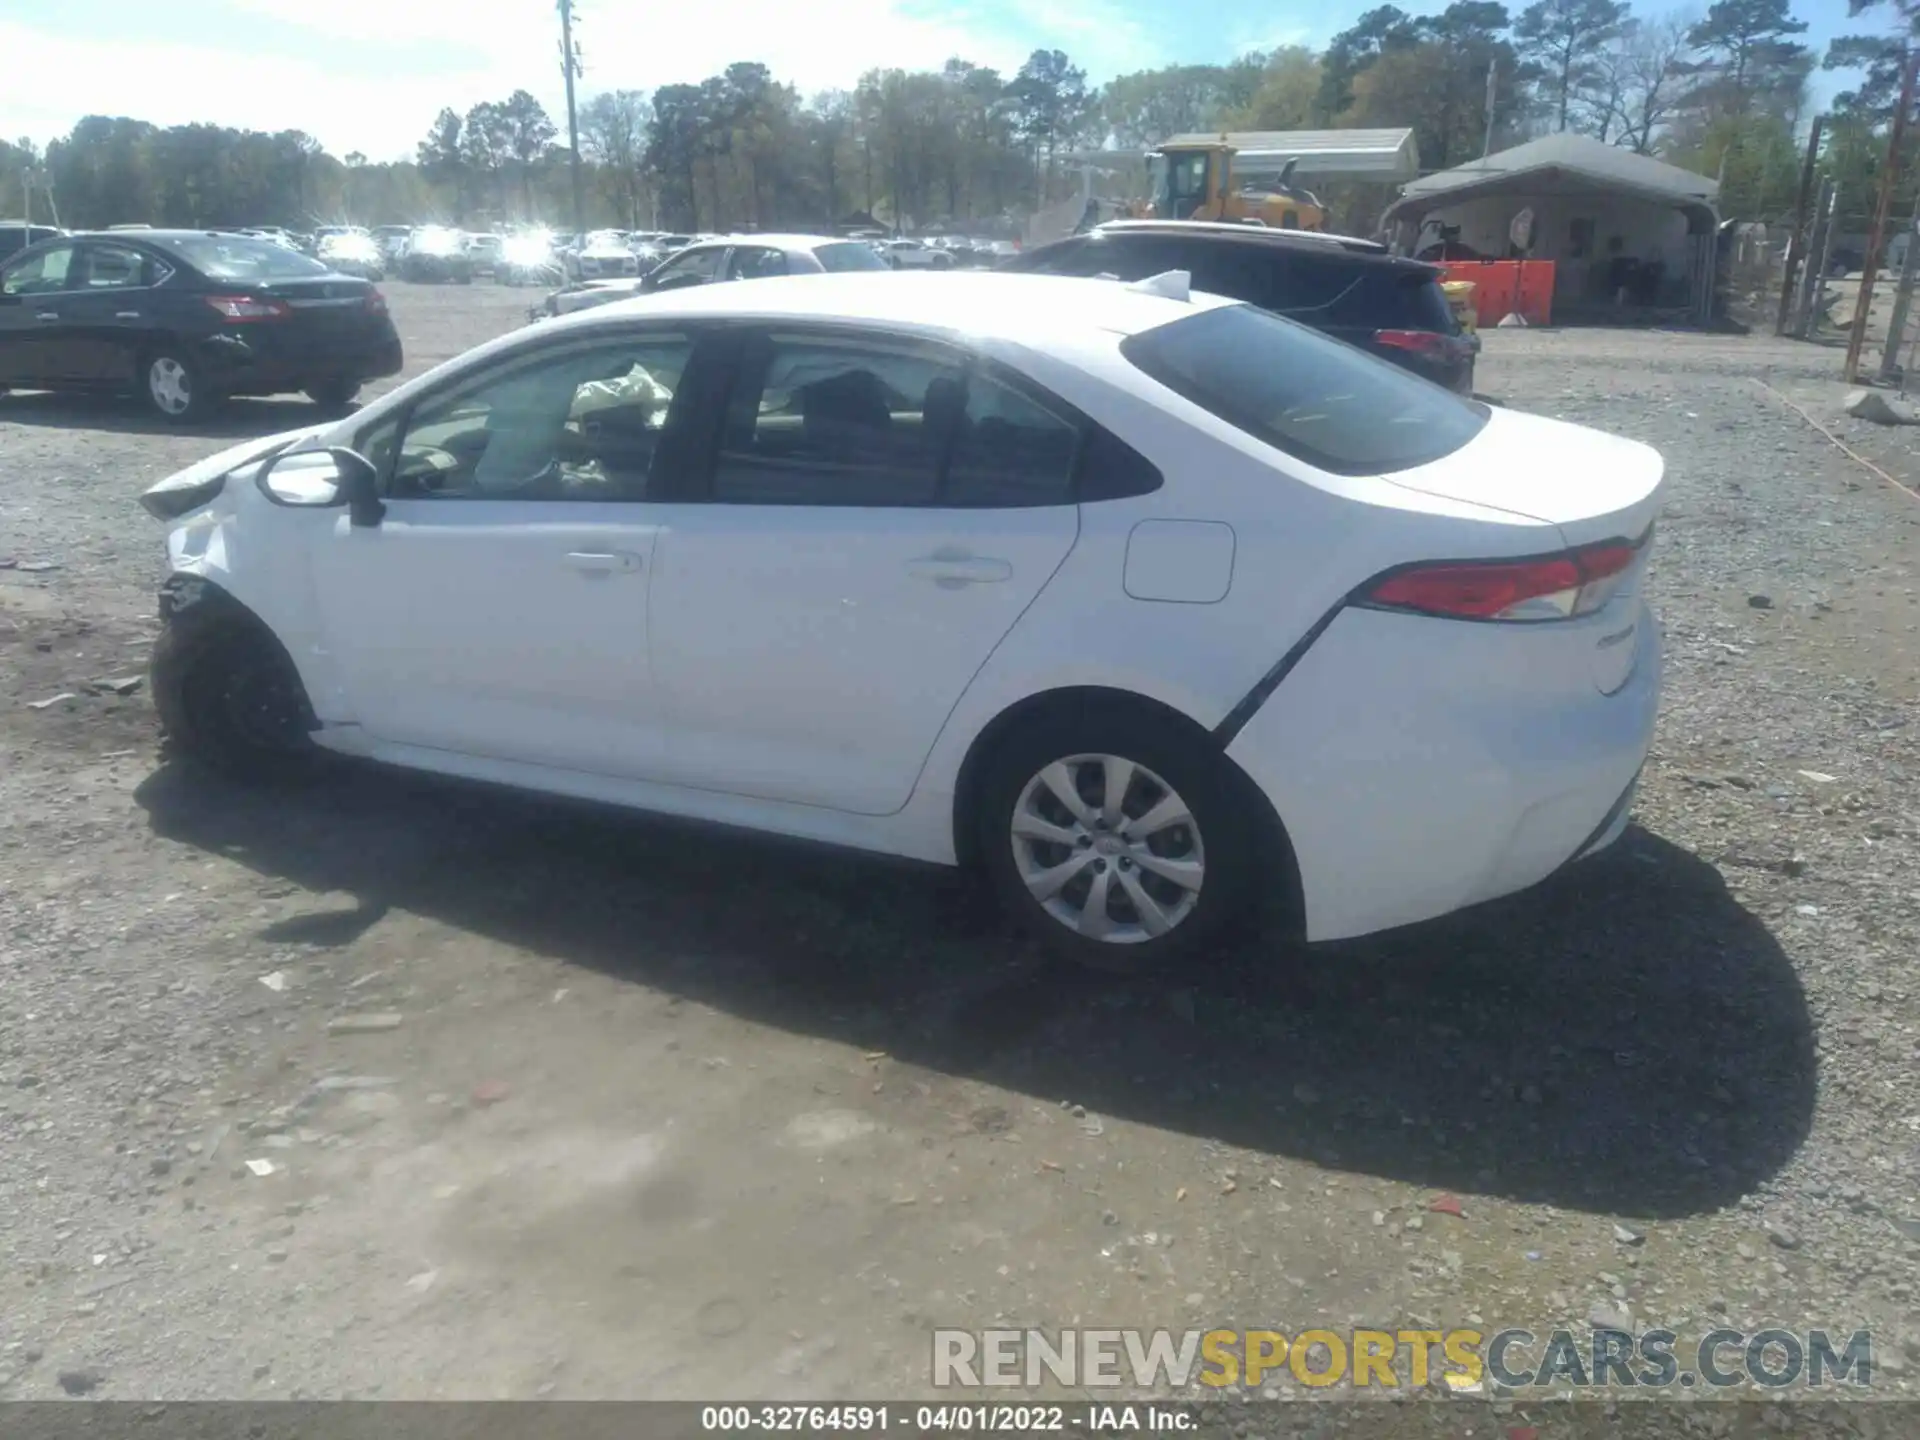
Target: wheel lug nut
1100,866
1125,864
1084,841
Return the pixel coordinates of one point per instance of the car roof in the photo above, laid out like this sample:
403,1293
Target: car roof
1019,308
780,241
1364,253
1259,234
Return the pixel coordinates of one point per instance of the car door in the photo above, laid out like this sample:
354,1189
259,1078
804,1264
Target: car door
109,311
879,515
499,609
35,338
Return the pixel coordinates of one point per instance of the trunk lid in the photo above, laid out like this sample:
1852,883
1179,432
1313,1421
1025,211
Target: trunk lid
1591,485
327,306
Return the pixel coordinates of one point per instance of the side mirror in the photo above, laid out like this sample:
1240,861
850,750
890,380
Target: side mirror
318,479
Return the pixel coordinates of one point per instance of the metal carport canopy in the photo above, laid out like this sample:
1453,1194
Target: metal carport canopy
1562,165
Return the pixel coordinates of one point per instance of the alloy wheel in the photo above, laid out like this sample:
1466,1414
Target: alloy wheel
170,386
1108,849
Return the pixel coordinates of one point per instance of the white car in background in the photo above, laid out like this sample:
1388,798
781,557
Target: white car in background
603,255
914,255
1149,603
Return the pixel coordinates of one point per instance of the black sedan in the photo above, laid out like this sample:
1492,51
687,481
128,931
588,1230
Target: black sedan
185,318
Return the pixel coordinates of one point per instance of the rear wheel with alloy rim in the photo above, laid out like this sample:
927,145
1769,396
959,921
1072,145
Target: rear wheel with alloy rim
174,388
1118,839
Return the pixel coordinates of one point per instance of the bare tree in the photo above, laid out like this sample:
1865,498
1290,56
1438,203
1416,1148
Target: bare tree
1638,82
613,131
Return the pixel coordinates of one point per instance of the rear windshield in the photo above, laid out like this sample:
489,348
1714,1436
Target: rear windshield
1313,397
1390,297
848,255
240,257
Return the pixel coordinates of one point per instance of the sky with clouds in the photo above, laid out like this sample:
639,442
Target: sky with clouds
370,75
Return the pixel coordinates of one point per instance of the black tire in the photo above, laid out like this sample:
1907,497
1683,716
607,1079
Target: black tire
1222,835
230,700
173,386
334,396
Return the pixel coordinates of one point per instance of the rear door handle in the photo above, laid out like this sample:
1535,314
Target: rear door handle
126,314
950,572
601,562
49,316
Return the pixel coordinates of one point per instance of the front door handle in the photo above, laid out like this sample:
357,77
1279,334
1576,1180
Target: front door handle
48,316
951,571
126,314
603,562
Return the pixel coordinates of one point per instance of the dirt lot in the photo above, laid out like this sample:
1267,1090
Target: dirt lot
673,1114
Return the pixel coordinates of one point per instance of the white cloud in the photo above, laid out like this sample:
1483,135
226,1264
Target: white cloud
361,95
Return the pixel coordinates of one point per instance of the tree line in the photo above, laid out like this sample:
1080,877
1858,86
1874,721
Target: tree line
1723,92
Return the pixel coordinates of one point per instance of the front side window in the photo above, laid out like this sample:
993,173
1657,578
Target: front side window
42,274
580,425
757,262
243,258
702,264
1333,406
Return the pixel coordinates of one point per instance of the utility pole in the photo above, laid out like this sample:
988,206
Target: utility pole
1493,89
1902,297
1816,267
1797,240
570,64
1889,178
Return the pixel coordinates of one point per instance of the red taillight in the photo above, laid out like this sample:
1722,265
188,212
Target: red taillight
248,307
376,303
1558,587
1419,342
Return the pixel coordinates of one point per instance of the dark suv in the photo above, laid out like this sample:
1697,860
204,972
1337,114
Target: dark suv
16,235
1351,289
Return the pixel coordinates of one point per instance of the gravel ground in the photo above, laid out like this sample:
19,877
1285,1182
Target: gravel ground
560,1103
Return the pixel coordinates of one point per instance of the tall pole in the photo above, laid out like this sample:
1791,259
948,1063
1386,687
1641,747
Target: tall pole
1889,178
1797,240
1493,89
1902,298
1816,266
570,63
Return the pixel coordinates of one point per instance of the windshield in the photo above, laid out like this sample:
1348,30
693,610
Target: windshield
240,257
848,255
1178,184
1333,406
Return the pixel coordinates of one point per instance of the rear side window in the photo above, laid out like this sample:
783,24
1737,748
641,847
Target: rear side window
1312,397
848,255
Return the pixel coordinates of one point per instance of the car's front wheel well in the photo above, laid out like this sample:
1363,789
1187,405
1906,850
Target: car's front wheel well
1284,902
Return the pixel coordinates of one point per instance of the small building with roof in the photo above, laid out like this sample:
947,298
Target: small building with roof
1625,231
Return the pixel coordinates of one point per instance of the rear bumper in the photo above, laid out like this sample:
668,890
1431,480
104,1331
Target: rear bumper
242,365
1414,782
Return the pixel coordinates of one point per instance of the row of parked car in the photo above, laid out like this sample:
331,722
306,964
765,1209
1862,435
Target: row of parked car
1350,288
186,318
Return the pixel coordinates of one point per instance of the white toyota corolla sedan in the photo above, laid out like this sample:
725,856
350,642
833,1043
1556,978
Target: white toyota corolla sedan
1152,605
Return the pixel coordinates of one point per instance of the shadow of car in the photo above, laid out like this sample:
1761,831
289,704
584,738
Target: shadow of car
1626,1039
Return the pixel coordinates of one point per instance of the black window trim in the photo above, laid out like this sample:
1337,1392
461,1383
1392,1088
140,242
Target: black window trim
967,360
